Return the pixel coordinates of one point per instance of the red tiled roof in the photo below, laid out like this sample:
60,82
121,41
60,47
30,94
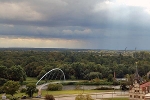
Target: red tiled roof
145,84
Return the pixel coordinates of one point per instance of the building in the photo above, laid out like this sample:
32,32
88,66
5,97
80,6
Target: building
139,90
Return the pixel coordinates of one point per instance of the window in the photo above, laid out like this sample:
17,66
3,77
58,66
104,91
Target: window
142,97
136,90
131,96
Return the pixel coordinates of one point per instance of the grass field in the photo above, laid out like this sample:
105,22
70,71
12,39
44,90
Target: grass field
64,92
32,80
70,92
117,99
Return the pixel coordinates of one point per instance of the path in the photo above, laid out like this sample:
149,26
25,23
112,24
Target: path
95,96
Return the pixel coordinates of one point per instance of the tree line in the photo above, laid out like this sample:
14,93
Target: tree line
17,64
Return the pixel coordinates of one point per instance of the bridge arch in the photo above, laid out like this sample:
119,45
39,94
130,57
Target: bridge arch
49,72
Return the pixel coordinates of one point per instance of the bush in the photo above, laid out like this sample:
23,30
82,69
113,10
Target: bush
104,88
13,98
116,82
69,83
23,90
49,97
83,97
54,87
95,82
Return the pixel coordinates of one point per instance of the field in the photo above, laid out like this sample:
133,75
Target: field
117,99
32,80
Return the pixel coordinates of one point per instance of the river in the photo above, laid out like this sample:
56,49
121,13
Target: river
86,87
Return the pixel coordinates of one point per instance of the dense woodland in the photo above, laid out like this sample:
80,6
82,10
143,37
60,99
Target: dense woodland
82,65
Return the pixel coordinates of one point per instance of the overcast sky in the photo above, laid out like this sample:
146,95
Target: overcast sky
88,24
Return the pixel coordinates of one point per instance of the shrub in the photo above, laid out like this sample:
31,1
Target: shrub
116,82
104,88
13,98
23,90
83,97
54,87
69,83
73,77
49,97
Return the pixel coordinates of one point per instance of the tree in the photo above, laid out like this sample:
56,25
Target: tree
41,74
3,72
110,78
94,75
38,70
3,75
30,69
8,63
31,89
3,81
11,87
16,73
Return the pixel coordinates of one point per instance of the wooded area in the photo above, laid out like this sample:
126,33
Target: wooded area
85,64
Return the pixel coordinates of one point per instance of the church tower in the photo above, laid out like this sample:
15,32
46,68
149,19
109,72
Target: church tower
137,78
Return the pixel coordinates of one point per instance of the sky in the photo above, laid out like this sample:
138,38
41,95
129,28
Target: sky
81,24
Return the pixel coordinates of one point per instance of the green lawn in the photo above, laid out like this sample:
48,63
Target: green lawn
64,92
117,99
31,80
67,92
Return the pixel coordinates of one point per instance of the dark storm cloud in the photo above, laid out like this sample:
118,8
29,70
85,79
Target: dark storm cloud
93,20
54,14
76,13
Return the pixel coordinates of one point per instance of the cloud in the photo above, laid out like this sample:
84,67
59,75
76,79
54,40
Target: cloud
18,11
104,23
139,3
67,32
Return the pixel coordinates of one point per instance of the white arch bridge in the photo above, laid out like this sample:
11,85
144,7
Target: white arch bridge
49,72
39,87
